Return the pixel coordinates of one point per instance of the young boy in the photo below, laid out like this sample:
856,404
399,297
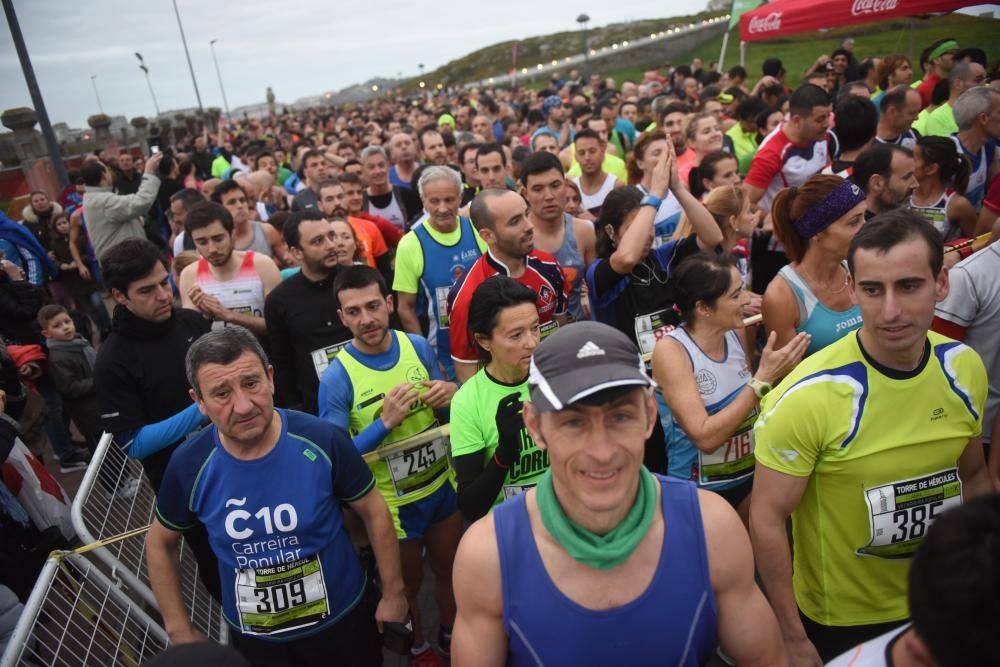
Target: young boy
71,369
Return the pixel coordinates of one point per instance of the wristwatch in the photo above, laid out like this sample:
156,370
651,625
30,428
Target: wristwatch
651,200
760,388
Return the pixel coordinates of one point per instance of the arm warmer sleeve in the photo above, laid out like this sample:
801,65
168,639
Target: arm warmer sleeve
153,437
478,485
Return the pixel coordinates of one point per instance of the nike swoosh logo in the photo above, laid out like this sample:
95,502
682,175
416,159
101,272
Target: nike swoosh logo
787,454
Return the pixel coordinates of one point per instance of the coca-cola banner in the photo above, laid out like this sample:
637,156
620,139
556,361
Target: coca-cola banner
788,17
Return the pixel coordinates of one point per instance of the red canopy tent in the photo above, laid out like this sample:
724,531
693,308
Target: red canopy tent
787,17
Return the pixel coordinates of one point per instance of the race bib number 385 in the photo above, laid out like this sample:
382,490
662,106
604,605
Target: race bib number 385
901,512
284,597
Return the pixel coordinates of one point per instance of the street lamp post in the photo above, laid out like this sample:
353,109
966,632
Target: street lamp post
51,144
188,55
583,20
93,82
218,73
145,70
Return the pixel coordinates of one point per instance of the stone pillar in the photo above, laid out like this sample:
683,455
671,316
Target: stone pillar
101,124
166,136
213,113
29,150
8,152
200,118
180,127
141,125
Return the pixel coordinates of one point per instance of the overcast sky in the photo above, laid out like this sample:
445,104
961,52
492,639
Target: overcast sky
298,47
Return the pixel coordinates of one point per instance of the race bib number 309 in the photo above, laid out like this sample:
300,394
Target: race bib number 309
284,597
901,512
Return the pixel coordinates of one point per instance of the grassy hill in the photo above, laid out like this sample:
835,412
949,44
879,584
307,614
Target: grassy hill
496,59
798,52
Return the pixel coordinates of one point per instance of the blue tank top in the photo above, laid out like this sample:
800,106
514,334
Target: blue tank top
719,383
824,325
571,261
673,622
443,266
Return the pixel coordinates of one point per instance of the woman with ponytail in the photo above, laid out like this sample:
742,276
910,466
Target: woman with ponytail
815,222
703,370
942,174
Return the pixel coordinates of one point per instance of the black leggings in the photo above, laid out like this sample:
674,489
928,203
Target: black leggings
831,641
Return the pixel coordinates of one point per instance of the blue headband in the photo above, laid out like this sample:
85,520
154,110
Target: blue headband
842,199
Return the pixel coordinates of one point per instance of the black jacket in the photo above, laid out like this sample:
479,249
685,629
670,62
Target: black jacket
73,378
301,317
140,376
20,302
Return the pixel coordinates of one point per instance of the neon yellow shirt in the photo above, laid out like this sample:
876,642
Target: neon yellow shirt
410,258
474,428
941,122
920,124
745,146
882,457
611,165
414,474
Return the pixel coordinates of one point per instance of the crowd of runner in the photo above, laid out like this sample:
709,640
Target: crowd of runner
784,303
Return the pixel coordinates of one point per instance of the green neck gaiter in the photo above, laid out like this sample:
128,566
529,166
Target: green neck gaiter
602,552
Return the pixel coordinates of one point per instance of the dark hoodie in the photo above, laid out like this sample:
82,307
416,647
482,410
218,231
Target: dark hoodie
140,376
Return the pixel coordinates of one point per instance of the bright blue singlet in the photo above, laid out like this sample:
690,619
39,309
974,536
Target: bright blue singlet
673,622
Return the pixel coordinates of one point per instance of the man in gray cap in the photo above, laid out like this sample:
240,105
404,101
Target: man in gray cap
580,570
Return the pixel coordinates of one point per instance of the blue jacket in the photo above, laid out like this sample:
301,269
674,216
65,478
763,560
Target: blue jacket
39,266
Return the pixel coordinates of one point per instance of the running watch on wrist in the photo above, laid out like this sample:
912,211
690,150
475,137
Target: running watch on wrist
760,388
651,200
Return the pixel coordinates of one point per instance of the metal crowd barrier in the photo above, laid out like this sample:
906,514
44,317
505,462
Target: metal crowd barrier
115,497
77,617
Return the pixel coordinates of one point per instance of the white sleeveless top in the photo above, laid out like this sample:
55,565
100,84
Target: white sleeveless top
719,382
243,294
393,212
596,200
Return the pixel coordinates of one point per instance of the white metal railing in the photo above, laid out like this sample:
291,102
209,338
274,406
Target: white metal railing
115,497
77,617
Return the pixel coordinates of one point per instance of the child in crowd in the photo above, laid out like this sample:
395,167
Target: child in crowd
71,369
69,288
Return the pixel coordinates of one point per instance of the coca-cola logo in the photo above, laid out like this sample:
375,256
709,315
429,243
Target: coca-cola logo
861,7
768,23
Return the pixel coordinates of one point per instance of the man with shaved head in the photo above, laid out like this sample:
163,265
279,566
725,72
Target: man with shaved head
500,217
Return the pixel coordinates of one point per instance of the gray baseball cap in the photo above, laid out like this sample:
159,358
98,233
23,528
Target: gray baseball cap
580,360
